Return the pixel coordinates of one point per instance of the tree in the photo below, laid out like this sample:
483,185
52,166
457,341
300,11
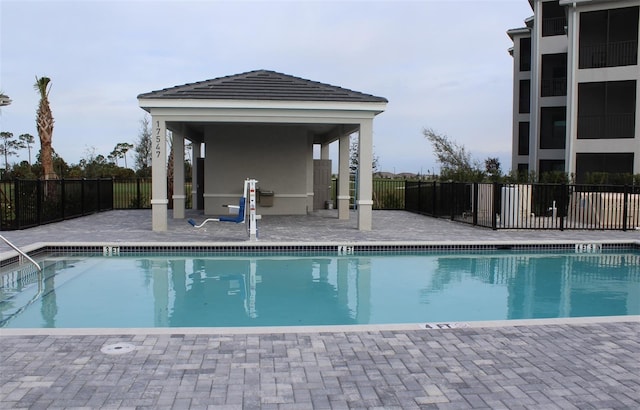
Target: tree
120,151
143,148
28,141
23,170
455,162
8,147
44,122
4,99
123,148
354,156
492,168
57,162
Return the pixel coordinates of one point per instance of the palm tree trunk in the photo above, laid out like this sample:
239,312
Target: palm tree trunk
44,122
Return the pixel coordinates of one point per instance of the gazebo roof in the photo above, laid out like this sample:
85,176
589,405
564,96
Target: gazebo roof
262,85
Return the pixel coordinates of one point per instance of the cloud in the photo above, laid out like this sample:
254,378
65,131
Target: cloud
442,64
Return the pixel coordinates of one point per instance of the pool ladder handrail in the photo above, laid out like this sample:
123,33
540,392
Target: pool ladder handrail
22,254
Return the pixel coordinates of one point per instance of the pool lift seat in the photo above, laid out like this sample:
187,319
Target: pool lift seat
241,217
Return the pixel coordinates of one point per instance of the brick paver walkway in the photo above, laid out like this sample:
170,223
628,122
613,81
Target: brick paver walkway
543,366
593,366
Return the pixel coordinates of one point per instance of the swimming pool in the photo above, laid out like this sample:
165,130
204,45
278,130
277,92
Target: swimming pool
318,288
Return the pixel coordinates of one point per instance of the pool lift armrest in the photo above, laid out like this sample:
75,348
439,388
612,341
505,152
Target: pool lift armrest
241,217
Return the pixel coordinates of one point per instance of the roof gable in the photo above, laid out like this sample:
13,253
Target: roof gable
262,85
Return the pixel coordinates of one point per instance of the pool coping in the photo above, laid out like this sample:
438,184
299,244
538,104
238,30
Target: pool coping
316,329
110,248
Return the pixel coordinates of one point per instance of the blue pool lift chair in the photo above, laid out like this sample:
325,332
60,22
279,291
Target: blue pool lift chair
239,218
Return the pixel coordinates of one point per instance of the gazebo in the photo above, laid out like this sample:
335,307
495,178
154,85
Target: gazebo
264,125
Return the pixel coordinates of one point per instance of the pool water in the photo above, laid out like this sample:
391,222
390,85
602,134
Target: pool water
318,289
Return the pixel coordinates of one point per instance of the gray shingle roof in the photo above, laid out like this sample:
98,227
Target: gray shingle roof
262,85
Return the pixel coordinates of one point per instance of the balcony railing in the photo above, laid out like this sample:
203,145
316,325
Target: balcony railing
555,26
606,126
552,87
612,54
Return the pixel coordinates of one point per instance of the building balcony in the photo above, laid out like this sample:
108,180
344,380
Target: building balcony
612,54
606,126
554,26
553,87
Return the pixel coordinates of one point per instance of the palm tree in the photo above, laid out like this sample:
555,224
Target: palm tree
122,148
44,122
5,147
28,141
4,99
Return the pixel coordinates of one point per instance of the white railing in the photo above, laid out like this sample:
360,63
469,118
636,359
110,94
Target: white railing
22,254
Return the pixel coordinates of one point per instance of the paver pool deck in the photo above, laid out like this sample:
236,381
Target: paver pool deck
565,363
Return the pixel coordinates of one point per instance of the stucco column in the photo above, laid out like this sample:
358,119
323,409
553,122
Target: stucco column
310,192
572,92
195,154
178,176
534,102
365,181
343,177
159,199
324,151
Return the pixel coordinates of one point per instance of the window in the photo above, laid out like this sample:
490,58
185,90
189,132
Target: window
611,163
553,127
525,54
606,109
554,20
548,169
523,138
523,172
609,38
525,97
554,75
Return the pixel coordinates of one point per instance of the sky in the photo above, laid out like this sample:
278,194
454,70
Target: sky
442,64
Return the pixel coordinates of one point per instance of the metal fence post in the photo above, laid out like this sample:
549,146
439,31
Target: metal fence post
99,202
452,198
39,200
82,198
434,201
17,212
63,201
419,192
625,207
474,210
564,193
494,207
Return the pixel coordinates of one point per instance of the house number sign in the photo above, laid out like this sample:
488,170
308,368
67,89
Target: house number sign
157,147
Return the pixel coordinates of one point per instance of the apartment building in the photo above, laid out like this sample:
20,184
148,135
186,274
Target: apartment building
576,88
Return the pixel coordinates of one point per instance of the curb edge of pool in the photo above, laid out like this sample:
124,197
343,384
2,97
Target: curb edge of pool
429,327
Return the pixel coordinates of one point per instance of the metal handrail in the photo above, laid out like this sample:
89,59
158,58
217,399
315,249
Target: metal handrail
21,253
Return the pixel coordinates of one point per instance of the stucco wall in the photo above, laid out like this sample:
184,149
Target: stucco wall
277,156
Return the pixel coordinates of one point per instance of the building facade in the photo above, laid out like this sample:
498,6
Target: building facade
576,80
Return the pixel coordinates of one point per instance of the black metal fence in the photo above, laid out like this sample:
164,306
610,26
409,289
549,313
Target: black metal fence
387,193
528,206
132,193
27,203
